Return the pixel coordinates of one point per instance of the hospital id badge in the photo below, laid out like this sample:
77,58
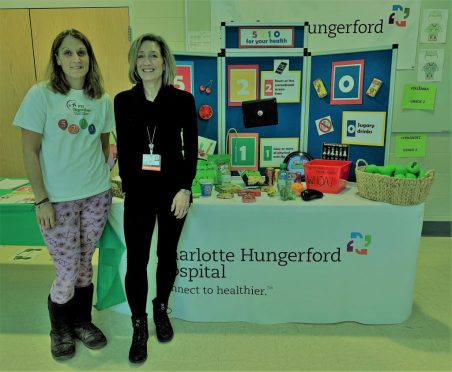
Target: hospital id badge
151,162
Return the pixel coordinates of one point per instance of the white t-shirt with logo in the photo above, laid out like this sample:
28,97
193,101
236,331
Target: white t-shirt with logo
72,161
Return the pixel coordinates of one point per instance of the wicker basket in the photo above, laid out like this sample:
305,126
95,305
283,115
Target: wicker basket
400,191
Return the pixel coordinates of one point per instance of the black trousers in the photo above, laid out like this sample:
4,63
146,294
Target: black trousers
140,213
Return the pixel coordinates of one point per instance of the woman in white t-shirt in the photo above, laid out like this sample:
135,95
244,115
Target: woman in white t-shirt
66,122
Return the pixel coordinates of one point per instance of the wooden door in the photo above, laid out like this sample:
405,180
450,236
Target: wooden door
26,36
17,75
107,30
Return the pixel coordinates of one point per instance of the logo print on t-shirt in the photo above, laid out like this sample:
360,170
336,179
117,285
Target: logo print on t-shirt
63,124
77,108
73,129
71,104
92,129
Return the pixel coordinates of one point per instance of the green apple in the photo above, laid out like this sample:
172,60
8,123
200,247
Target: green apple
413,167
399,175
399,169
410,175
372,168
387,170
421,174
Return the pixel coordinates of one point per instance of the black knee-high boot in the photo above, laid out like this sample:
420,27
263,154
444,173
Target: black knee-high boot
91,336
138,352
61,334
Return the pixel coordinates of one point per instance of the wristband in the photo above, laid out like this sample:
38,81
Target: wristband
43,201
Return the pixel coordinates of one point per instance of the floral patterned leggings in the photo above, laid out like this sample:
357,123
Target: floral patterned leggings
71,243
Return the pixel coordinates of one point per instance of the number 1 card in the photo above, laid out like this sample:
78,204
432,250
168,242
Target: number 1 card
243,150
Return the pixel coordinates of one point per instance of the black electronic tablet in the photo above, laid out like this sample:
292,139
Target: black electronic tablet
260,112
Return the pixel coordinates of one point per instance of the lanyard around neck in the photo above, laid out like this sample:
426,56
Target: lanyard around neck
151,142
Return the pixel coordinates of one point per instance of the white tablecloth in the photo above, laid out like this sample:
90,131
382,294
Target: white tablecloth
340,258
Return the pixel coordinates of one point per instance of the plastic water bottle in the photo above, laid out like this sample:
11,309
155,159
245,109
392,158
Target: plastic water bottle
282,181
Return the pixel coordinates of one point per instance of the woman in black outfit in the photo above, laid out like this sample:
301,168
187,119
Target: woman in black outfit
156,175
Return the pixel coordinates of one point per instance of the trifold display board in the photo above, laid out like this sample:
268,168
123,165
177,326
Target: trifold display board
338,99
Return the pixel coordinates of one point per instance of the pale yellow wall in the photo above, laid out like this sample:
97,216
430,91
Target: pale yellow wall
163,17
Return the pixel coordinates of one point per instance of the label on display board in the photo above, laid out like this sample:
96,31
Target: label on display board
266,37
184,76
243,149
286,88
365,128
273,151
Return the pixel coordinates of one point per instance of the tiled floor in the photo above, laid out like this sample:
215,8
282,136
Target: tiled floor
423,342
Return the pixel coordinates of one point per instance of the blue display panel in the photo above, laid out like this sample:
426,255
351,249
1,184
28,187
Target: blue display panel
289,114
377,64
204,69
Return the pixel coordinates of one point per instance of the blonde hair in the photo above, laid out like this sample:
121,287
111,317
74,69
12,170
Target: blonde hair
169,72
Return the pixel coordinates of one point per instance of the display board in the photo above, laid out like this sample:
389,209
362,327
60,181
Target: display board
289,114
355,108
263,62
198,74
344,99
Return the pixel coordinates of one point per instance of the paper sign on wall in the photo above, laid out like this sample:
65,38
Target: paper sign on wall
419,96
411,145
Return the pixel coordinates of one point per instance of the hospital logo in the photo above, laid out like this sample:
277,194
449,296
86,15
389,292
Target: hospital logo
399,15
359,243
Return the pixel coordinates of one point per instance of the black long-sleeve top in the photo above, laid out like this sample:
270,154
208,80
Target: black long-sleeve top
171,112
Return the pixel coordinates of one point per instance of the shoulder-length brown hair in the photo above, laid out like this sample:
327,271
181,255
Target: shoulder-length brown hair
168,59
93,85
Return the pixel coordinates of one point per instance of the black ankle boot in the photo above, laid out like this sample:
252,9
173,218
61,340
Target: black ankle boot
62,342
91,336
138,352
163,327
